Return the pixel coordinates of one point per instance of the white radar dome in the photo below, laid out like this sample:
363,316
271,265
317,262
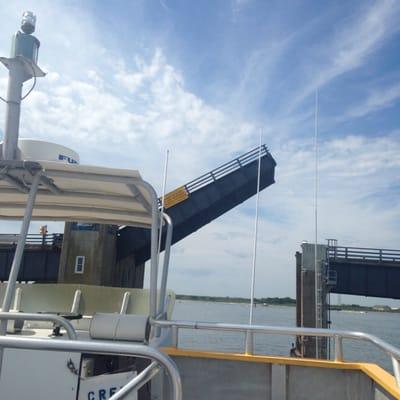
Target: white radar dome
39,150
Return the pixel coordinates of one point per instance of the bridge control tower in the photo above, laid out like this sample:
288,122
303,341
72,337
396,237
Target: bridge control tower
312,298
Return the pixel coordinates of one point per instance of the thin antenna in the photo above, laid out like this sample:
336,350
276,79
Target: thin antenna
253,270
316,269
163,200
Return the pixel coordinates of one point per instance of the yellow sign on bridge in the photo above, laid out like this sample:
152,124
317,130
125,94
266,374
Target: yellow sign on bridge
175,197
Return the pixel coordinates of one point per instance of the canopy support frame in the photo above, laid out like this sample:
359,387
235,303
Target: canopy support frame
41,179
16,265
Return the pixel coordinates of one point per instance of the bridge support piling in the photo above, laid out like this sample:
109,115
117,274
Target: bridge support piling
311,301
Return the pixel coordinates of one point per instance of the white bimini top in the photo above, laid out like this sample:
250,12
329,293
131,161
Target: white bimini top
71,192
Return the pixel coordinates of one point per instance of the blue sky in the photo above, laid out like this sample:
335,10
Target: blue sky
129,79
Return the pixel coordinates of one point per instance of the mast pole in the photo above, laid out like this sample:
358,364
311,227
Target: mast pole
13,110
163,200
164,275
253,270
249,335
22,66
316,266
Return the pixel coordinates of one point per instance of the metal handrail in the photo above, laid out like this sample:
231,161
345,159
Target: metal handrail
32,238
337,335
226,168
56,319
373,249
363,253
109,348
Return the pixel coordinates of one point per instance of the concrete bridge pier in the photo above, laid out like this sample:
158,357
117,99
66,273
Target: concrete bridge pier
89,256
311,298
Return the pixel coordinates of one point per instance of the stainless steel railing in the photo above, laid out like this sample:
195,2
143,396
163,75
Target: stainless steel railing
110,348
337,335
56,319
226,168
363,254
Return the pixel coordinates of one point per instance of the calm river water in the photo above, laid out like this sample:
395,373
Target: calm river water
384,325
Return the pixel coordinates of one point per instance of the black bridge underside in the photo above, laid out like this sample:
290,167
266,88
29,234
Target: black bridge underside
367,278
223,192
39,263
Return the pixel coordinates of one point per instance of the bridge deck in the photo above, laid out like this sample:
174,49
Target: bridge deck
366,271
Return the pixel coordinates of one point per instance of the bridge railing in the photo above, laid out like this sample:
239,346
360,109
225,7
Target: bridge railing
226,168
37,239
364,254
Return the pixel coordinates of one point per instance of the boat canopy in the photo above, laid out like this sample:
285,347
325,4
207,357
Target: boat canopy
72,192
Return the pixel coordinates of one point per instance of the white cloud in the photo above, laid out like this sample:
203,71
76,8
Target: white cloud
237,7
351,46
377,100
349,156
141,108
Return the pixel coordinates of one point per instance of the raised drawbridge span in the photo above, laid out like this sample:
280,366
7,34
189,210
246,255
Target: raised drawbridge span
190,207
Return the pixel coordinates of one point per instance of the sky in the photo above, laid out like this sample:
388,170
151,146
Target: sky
127,80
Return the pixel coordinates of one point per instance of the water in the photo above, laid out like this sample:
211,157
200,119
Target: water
384,325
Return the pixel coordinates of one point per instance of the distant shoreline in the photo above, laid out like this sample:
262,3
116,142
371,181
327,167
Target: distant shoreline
276,301
283,301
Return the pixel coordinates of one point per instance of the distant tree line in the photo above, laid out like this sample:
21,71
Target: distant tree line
281,301
263,300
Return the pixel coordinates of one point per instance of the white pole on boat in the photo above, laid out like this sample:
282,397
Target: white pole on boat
12,279
164,276
161,300
155,221
13,111
316,266
163,199
249,335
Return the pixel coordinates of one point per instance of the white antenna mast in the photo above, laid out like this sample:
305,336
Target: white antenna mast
253,270
249,336
163,200
316,268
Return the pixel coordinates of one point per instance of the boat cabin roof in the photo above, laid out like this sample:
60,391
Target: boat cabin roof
72,192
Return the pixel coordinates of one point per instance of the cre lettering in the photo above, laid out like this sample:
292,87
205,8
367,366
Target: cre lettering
102,394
